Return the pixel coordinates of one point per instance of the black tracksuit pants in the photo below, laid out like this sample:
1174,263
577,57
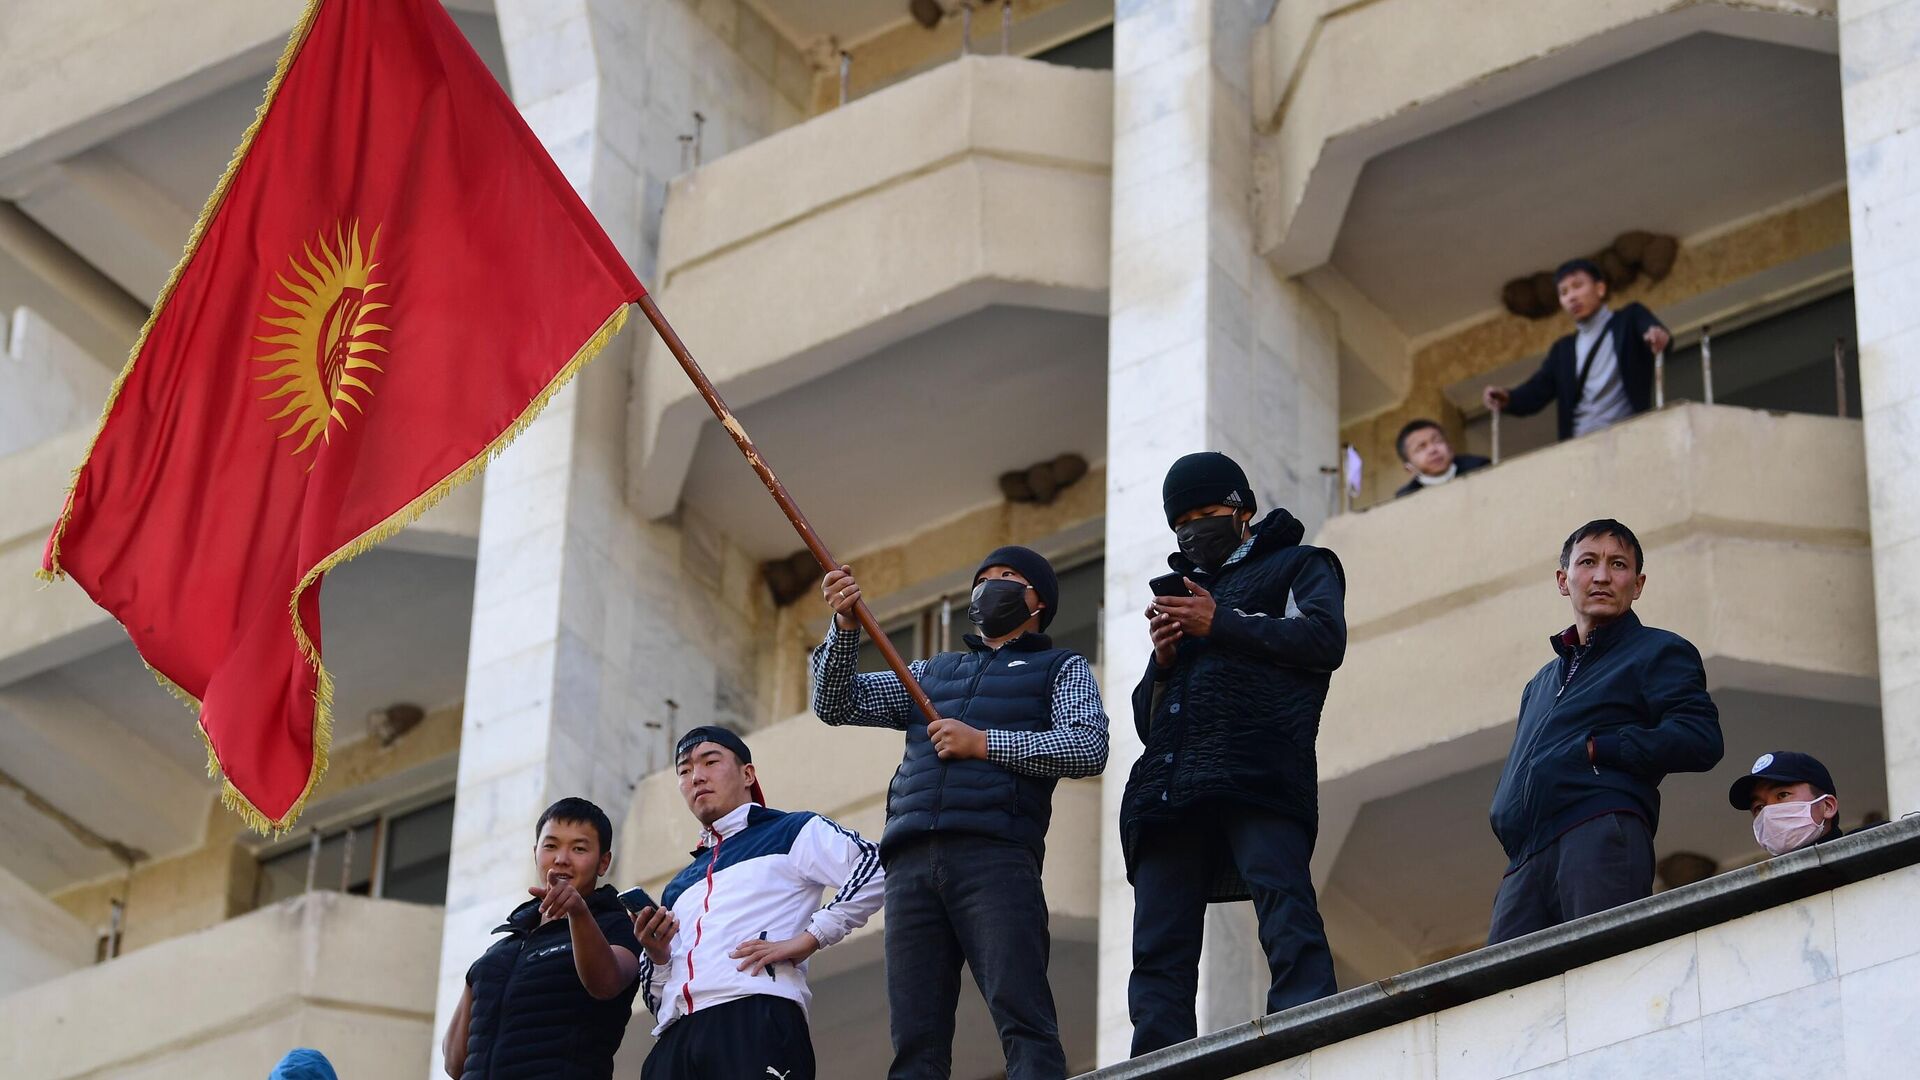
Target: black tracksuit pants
1175,872
760,1036
1601,863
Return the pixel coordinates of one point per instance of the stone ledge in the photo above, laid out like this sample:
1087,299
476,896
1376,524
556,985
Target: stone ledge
1509,965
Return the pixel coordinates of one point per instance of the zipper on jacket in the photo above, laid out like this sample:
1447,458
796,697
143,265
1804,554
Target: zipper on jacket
940,790
699,924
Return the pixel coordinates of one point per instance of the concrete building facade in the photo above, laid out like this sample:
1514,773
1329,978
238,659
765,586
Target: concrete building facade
920,259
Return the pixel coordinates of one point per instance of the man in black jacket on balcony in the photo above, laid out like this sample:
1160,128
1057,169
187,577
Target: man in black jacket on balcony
1622,705
1223,803
1601,373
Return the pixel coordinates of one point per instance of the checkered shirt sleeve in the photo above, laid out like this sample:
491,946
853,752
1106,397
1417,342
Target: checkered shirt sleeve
1075,745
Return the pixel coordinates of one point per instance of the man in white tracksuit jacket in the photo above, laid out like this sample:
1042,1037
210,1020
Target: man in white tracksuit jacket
725,973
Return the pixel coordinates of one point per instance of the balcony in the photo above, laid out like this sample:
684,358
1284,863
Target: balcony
351,977
843,773
941,235
1755,529
1339,83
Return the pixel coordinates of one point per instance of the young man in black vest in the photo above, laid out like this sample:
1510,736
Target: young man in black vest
1620,706
1223,803
1601,373
968,809
552,998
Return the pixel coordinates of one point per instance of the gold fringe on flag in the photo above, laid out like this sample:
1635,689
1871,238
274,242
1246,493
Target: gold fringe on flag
230,796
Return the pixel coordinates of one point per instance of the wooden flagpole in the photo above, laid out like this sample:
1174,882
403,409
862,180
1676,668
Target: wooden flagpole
779,492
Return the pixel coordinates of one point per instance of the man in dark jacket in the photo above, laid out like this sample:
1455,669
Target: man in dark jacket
1601,373
1223,804
1427,455
967,811
1621,706
552,998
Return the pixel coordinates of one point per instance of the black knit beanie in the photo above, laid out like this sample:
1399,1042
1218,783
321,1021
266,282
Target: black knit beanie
1208,478
1035,568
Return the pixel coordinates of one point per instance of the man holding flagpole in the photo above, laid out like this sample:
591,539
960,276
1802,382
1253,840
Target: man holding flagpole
968,809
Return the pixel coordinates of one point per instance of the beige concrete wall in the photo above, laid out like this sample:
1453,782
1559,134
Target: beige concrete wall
38,941
1820,987
1880,89
1337,82
350,977
1707,267
995,168
170,897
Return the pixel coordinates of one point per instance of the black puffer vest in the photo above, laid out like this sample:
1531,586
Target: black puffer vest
531,1017
1009,689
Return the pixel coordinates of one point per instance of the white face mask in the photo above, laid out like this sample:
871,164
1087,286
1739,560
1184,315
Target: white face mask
1788,826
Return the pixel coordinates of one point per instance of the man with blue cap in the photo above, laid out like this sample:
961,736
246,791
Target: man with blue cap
1792,799
968,809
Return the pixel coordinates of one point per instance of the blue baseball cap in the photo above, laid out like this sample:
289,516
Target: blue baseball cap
1781,767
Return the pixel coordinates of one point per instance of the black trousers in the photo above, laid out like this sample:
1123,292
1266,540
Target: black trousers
953,898
1175,871
1596,865
760,1036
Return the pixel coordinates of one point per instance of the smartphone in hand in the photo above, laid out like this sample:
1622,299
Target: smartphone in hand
1173,584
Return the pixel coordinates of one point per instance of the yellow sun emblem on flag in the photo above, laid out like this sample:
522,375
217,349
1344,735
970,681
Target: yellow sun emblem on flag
323,348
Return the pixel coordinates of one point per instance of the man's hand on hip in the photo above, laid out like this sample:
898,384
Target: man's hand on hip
757,954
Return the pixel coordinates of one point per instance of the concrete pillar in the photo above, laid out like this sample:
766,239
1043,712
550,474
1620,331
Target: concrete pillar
1880,96
1208,349
597,636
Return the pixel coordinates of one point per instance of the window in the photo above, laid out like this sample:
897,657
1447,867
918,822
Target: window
396,856
1093,49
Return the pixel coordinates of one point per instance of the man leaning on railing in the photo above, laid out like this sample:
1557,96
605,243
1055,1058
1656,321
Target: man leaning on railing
1601,373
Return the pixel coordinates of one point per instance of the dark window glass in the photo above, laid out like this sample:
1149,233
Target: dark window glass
418,847
902,634
1094,50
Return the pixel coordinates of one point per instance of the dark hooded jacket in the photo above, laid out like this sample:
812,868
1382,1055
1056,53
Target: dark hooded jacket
1235,719
1640,694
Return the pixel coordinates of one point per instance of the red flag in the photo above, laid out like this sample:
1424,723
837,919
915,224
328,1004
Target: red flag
387,285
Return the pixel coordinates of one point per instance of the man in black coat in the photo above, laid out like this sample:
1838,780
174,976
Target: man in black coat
1601,373
1223,803
1619,707
1427,455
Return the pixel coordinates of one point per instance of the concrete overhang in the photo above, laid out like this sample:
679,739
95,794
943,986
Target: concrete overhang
1755,527
347,973
1338,82
983,182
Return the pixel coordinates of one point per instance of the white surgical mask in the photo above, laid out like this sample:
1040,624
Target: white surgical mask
1788,826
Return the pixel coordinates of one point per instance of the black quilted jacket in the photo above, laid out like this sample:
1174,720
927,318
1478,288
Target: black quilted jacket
1235,719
